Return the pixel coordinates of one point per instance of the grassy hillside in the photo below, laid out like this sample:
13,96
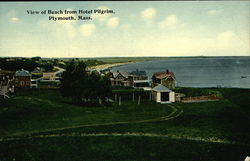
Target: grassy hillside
38,110
205,131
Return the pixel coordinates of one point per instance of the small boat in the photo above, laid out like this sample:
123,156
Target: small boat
243,76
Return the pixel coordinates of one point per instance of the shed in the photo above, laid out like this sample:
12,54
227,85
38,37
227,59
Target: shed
162,94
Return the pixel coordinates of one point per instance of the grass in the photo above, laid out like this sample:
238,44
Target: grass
123,148
205,131
23,113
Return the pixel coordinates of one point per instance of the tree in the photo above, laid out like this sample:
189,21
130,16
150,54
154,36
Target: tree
84,87
17,64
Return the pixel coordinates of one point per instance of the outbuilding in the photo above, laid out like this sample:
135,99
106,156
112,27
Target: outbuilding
162,94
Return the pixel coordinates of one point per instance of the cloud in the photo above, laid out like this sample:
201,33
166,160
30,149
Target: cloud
14,19
87,29
113,22
148,13
213,12
169,21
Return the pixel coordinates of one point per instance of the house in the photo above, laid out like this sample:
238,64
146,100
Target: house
22,79
119,78
6,83
165,78
139,75
162,94
138,79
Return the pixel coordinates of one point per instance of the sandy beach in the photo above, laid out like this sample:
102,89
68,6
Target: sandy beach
106,66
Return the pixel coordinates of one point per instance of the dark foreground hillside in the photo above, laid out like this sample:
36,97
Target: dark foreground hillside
43,126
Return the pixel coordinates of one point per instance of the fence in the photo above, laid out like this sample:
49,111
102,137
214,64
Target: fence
200,98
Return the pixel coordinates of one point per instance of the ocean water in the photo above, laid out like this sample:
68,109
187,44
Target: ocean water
200,72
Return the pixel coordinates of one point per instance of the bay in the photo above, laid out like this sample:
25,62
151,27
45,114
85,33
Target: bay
230,72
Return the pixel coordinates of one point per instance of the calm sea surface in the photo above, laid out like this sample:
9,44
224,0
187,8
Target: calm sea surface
200,72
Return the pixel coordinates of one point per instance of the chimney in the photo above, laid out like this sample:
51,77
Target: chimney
167,71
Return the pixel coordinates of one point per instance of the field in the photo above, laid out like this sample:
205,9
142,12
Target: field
41,125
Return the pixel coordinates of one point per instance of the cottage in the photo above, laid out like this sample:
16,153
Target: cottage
138,79
22,79
162,94
119,78
165,78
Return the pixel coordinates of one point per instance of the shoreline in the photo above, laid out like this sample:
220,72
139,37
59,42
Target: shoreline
107,66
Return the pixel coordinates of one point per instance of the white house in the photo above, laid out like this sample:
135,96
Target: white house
162,94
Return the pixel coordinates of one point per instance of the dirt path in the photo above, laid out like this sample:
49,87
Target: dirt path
176,112
171,136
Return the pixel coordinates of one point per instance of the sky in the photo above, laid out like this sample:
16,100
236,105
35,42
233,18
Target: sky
136,28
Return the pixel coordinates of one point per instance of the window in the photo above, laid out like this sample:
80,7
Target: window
21,83
27,82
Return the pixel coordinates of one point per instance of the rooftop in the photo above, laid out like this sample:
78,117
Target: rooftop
161,75
22,73
161,88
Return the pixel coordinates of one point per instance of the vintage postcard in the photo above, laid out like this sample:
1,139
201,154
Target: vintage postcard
125,81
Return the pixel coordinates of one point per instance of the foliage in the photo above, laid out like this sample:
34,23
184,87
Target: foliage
29,64
93,62
82,86
17,64
47,66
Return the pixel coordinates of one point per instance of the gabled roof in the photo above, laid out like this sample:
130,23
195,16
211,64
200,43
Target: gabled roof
162,75
115,74
124,74
161,88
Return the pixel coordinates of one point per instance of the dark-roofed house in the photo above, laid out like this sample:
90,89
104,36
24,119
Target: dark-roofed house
138,79
162,94
22,79
139,73
119,78
165,78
